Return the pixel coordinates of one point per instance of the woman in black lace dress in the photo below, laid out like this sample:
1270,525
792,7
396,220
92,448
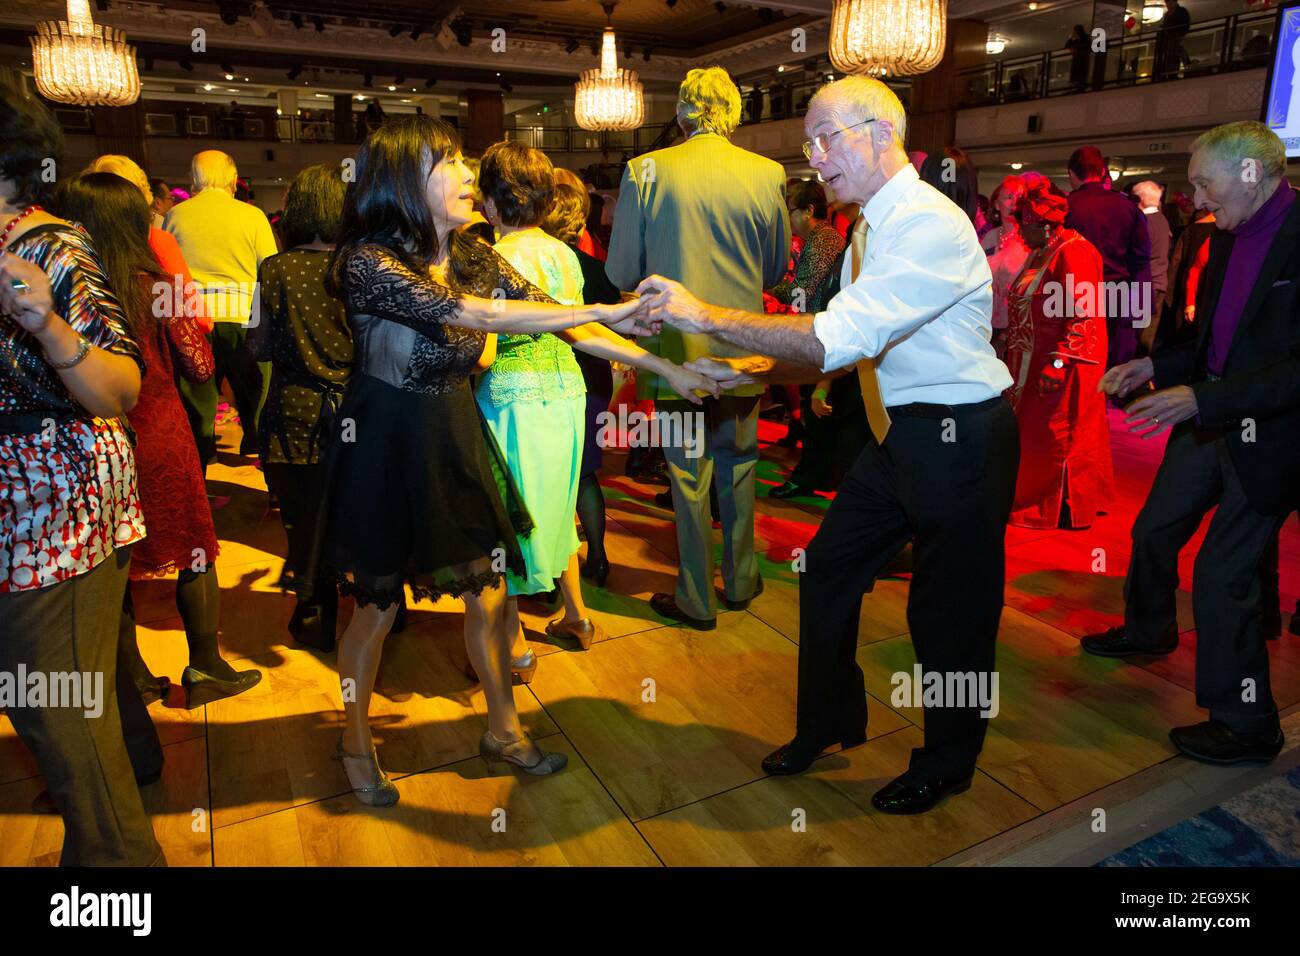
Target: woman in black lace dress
419,492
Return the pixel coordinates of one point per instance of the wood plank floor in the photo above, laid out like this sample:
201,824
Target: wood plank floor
664,727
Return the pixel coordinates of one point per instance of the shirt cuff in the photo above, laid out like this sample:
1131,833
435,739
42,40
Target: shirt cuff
838,354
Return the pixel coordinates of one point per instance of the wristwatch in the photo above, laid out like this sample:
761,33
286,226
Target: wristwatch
1058,363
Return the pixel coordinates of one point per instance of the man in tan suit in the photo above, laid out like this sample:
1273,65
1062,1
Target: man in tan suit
712,216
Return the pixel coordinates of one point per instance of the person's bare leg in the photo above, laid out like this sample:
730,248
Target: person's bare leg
571,587
488,645
514,627
360,648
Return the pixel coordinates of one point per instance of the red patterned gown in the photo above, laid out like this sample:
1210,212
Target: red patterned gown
1056,309
178,519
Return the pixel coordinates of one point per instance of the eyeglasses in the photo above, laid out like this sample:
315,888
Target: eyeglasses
822,141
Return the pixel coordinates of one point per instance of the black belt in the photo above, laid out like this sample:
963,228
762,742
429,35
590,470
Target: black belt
927,410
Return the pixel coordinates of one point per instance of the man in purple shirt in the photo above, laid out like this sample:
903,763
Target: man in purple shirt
1232,400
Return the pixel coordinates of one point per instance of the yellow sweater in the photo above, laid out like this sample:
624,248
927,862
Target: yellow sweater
224,242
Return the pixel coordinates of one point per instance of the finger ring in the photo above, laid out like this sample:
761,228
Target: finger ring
1156,419
18,285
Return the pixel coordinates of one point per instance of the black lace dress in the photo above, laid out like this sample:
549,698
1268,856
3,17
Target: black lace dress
419,492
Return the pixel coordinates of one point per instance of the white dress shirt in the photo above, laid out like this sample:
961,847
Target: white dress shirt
922,304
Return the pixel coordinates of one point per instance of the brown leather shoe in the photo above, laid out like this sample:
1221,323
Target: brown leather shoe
584,631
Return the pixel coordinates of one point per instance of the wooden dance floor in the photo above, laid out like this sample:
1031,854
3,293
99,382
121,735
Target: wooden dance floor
664,778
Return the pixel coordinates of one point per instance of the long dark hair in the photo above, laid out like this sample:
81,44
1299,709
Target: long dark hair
115,214
31,143
386,202
962,187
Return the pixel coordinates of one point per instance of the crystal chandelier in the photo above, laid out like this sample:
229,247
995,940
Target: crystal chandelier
79,62
888,37
609,98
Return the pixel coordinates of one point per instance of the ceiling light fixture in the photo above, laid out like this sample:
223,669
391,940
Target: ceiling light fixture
80,62
888,37
609,98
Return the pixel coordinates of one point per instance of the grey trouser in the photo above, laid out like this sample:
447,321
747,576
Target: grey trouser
73,627
725,450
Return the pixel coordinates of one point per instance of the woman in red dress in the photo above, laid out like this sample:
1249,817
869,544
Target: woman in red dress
180,538
1056,351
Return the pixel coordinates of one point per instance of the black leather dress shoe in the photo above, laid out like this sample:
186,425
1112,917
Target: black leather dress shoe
903,796
202,688
798,755
666,605
740,605
1215,742
1115,643
790,490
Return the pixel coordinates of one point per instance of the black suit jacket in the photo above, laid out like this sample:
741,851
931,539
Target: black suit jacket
1117,227
1261,377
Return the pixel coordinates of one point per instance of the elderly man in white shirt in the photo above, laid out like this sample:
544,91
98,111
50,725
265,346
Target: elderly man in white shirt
914,316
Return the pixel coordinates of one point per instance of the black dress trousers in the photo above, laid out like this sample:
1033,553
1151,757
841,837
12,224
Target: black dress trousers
945,476
1196,475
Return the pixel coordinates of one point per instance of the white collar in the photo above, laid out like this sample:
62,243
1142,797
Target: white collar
878,206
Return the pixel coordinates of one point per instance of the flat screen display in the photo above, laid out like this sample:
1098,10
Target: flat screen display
1282,105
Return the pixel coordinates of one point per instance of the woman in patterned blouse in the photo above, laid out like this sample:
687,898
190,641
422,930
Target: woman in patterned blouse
69,509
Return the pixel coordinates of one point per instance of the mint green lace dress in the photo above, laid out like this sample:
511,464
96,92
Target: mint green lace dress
534,401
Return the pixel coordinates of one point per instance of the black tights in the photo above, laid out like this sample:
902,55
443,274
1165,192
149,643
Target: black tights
591,513
199,601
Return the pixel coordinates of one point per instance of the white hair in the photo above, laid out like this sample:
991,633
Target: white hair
1148,191
867,98
213,169
1243,144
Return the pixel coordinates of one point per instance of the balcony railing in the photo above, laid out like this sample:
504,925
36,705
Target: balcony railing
574,139
1233,43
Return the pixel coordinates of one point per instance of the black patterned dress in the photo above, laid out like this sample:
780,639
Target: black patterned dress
419,492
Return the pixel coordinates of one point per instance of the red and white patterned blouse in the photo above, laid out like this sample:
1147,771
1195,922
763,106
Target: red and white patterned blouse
68,485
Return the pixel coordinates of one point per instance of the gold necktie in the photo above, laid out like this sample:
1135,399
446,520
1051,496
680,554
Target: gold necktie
872,398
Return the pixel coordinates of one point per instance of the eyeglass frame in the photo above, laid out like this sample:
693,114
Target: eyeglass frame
825,146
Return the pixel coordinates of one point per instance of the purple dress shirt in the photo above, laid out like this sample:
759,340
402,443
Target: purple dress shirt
1251,241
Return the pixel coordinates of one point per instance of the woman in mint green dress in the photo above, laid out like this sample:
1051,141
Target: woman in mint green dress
533,397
